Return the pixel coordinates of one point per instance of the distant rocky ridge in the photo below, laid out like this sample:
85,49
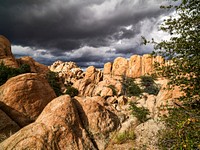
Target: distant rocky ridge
32,117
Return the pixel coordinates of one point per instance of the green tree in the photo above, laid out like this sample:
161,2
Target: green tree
183,49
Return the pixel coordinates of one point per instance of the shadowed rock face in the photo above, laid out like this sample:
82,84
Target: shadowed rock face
97,119
7,126
24,97
6,55
58,127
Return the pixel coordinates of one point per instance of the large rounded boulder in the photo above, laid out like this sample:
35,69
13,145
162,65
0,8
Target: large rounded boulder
24,97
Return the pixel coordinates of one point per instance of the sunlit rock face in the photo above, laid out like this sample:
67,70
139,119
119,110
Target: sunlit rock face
69,71
24,97
135,67
6,55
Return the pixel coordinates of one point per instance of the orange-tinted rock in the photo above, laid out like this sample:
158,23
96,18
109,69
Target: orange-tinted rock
103,87
147,64
167,97
135,66
68,71
107,71
81,85
58,127
97,119
106,91
25,96
89,90
6,55
107,68
93,74
120,66
35,66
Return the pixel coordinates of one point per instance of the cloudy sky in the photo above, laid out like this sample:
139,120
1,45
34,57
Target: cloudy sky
89,32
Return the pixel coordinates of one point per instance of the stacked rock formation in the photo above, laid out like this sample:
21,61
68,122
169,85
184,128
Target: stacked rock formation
135,67
96,82
69,71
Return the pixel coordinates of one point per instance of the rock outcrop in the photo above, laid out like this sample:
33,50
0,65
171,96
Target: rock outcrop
119,68
25,96
35,66
58,127
95,83
68,71
6,55
93,74
135,67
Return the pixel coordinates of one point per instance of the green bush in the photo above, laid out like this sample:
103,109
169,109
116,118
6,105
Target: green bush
8,72
71,91
182,133
150,86
125,136
130,88
139,112
24,68
53,80
153,89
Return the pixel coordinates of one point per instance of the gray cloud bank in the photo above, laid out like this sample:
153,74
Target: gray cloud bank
89,32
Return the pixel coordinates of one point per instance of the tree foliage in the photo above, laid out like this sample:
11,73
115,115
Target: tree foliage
183,49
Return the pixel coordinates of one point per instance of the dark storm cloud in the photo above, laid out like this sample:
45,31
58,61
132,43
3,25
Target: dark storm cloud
61,26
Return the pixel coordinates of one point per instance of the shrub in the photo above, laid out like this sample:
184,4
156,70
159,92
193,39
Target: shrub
182,133
153,89
125,136
71,91
139,112
53,80
130,88
147,80
150,86
8,72
24,68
